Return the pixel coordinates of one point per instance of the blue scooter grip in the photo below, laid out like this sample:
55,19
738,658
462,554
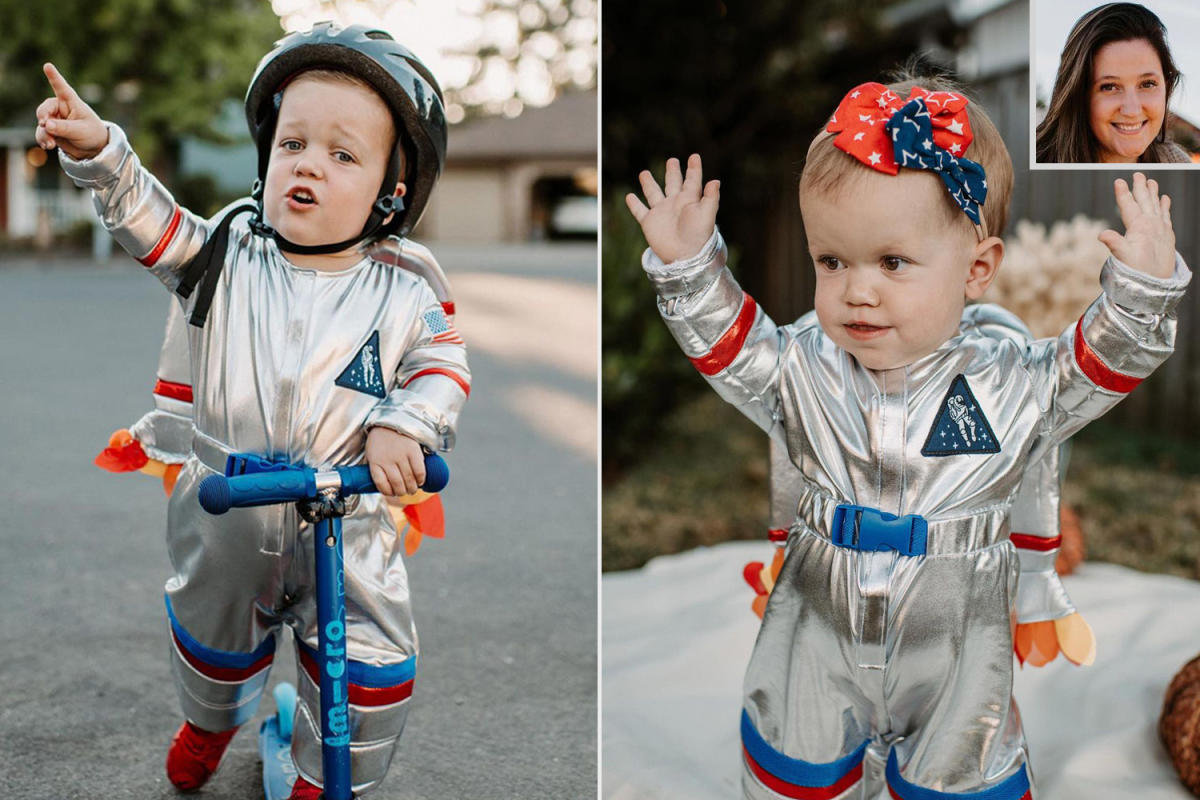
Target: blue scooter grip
357,479
218,493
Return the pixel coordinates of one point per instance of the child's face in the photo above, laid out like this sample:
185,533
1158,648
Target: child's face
892,273
329,155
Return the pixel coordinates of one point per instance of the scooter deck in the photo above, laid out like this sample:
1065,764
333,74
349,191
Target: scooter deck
275,747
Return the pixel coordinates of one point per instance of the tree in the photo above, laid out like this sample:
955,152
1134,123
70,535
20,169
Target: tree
492,56
160,68
746,85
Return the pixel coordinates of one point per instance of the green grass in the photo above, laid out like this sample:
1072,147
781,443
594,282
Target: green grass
705,481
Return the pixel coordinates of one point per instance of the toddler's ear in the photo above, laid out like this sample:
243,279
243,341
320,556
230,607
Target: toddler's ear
988,255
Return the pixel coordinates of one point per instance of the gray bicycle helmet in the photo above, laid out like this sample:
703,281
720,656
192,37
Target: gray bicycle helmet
400,78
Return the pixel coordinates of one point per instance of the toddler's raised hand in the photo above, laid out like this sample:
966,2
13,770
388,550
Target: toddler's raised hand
1149,241
396,461
66,121
680,218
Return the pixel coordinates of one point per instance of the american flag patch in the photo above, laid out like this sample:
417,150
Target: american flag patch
443,330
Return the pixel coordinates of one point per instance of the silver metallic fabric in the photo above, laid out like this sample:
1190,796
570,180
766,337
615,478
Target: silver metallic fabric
269,373
165,433
871,650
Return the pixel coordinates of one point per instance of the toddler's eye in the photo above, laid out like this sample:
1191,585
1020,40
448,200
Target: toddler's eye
893,263
290,144
830,263
344,157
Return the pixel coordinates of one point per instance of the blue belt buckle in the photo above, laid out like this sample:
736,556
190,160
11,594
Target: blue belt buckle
862,528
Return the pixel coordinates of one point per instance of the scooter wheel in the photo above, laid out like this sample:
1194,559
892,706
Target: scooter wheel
285,709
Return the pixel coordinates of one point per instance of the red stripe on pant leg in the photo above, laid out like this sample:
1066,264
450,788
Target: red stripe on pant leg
1027,541
175,391
164,241
1096,370
361,695
780,786
231,674
730,344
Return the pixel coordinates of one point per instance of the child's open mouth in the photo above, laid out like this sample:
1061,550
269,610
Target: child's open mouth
301,198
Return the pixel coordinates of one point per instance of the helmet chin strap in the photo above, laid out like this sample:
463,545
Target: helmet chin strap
385,205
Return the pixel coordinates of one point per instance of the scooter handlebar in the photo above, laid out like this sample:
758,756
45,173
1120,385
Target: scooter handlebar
219,493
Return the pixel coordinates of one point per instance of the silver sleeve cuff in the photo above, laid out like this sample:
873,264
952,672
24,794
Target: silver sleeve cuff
164,436
1040,594
412,414
688,275
101,169
1142,293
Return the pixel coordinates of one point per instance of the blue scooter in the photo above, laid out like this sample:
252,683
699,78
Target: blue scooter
321,498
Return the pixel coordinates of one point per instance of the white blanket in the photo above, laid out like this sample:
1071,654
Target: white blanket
677,634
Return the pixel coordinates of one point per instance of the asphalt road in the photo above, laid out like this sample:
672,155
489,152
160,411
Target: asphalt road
505,702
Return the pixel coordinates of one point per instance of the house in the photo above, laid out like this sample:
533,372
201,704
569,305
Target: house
530,177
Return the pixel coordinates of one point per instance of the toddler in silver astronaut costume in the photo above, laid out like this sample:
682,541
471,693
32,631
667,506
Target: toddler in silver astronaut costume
885,652
302,350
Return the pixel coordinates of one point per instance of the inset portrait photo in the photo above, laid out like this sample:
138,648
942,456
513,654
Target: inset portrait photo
1110,83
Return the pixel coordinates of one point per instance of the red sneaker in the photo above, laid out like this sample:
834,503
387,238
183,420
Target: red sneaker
194,755
303,790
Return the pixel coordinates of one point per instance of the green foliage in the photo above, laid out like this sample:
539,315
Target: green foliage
746,85
643,374
160,68
704,482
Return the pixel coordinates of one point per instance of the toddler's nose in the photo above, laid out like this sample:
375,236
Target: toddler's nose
859,289
306,166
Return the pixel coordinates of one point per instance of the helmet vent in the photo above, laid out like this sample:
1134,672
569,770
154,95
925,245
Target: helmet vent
377,35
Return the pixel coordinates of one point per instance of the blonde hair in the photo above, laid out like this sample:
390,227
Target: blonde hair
829,169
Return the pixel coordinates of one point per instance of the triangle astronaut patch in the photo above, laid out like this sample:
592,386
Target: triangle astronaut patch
960,427
364,373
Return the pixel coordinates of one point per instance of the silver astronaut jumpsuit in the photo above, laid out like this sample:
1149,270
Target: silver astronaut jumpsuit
890,621
278,372
1034,516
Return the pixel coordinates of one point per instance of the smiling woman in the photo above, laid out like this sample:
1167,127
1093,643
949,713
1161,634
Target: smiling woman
1112,92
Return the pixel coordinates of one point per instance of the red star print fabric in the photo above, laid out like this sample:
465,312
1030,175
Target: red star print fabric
860,118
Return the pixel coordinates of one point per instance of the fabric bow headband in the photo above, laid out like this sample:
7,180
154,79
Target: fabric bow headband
928,131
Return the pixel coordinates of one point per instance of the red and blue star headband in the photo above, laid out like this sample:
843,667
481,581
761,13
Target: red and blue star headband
930,131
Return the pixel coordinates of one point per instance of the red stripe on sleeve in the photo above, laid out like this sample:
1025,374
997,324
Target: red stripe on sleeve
164,241
730,343
1096,370
454,376
175,391
1027,541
